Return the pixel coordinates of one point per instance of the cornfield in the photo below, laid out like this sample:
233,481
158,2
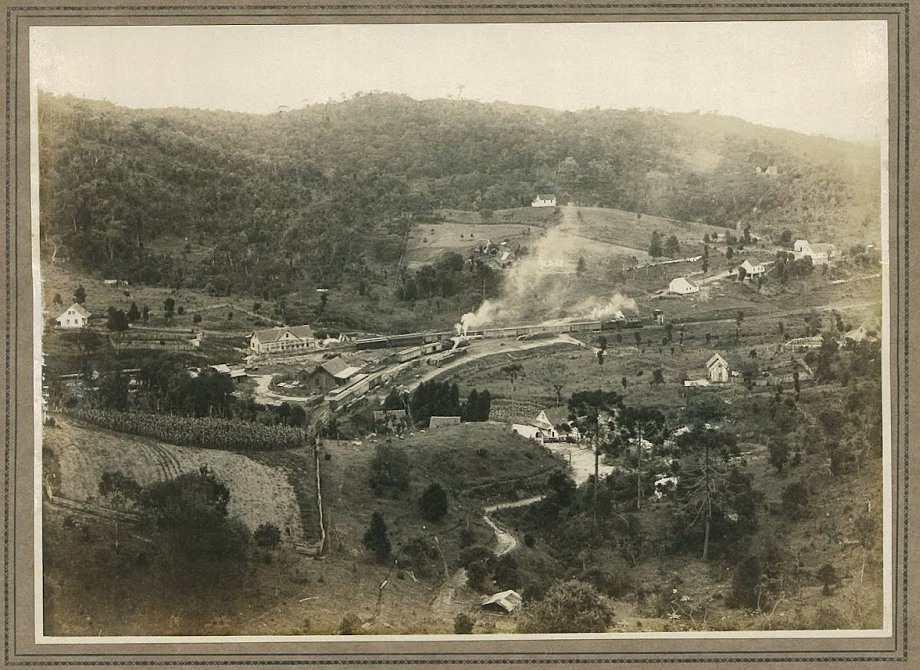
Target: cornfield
206,432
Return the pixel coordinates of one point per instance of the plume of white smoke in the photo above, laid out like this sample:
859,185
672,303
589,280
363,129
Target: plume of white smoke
535,289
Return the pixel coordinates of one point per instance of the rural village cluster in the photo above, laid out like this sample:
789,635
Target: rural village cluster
648,443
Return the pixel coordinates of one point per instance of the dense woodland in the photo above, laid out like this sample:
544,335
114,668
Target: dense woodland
326,195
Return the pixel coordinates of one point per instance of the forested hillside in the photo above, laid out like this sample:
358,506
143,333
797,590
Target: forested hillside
264,205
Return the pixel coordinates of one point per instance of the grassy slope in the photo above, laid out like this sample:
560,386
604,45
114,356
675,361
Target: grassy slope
285,593
258,494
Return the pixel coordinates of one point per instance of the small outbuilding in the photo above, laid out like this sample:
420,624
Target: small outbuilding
506,601
717,369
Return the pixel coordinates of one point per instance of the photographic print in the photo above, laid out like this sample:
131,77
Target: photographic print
521,330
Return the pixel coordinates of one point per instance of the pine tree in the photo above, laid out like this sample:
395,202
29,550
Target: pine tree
376,539
654,249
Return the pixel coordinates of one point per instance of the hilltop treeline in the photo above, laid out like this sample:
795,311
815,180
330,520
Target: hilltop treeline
317,196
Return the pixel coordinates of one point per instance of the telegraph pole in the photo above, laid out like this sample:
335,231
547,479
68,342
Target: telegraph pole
639,470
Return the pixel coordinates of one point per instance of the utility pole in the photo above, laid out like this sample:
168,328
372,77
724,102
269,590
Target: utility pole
639,470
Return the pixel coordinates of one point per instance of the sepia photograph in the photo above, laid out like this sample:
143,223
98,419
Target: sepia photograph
486,329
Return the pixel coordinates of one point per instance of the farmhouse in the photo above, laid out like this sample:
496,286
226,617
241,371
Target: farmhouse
544,200
288,338
820,253
768,170
683,286
717,369
327,375
752,269
540,429
74,316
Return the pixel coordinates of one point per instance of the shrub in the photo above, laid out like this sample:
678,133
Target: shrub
376,539
463,624
390,468
350,624
569,607
267,535
477,575
795,500
433,503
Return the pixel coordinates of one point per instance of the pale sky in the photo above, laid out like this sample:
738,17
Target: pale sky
816,77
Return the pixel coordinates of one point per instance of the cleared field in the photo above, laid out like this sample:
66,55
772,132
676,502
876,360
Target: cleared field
258,493
216,312
427,241
614,226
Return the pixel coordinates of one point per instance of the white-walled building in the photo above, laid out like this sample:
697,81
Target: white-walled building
683,286
288,338
753,269
75,316
544,200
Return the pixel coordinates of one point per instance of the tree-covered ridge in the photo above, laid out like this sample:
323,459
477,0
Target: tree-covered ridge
270,204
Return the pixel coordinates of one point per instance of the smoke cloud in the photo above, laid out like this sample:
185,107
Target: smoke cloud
541,287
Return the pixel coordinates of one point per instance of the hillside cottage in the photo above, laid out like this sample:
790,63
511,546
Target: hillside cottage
284,339
752,269
540,429
683,286
74,316
547,200
821,253
717,369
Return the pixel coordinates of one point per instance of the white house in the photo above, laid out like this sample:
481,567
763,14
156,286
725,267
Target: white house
752,269
540,429
288,338
683,286
544,200
769,169
820,253
717,369
74,316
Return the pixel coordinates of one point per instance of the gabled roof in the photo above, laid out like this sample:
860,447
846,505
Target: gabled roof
542,421
545,196
438,421
79,309
716,358
748,264
267,335
689,282
507,600
334,366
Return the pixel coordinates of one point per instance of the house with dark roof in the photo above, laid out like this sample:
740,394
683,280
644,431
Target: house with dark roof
327,375
284,339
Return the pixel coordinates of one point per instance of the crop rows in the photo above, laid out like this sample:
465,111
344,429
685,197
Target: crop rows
206,432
